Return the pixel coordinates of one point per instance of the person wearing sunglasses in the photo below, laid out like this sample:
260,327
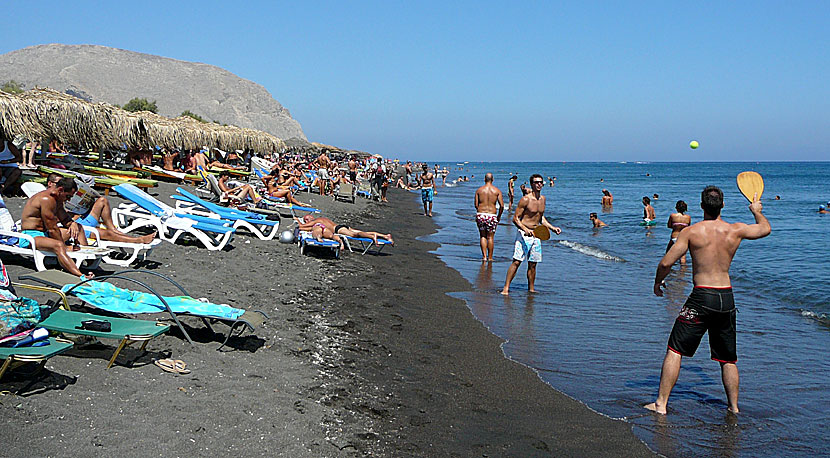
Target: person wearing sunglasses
530,213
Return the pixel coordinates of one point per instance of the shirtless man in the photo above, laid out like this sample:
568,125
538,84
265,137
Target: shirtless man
408,168
40,219
309,221
530,212
607,198
201,159
352,170
648,210
323,163
510,191
427,182
711,306
100,213
487,219
596,221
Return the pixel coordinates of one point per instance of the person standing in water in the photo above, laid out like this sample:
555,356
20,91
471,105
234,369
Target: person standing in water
607,199
510,191
530,212
648,210
711,306
677,222
487,219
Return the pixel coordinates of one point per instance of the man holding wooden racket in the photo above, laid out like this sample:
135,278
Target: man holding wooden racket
711,306
533,229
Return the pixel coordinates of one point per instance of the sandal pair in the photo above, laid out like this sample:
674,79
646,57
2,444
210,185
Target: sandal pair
175,366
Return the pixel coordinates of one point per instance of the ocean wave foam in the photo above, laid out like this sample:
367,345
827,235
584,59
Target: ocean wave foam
590,251
822,317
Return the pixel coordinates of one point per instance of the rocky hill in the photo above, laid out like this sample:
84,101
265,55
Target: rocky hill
102,74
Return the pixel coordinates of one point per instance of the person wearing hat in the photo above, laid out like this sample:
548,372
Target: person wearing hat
823,209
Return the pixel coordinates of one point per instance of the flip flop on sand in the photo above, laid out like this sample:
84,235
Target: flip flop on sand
175,366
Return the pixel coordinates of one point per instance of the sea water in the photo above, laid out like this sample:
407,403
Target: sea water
596,332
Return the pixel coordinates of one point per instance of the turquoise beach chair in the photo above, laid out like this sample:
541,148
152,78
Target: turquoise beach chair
149,211
305,240
256,223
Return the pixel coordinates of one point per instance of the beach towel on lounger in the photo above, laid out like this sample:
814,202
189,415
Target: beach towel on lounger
109,297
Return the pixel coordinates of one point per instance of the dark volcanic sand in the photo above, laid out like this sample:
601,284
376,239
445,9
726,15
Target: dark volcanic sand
365,355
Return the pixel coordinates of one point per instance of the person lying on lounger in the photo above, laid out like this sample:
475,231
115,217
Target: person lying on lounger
101,213
320,229
41,215
309,221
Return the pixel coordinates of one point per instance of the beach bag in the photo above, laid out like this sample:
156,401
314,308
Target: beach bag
18,315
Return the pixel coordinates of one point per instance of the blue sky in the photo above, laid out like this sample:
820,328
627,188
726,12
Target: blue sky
487,80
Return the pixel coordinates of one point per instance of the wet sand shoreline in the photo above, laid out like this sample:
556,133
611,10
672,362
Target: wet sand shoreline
363,355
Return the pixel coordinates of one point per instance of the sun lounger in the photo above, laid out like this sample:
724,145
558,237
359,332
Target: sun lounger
305,240
39,354
269,201
128,330
345,191
149,211
366,244
70,285
121,254
257,224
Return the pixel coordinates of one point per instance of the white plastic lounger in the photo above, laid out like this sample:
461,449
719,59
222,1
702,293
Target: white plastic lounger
305,240
8,244
122,253
257,224
149,211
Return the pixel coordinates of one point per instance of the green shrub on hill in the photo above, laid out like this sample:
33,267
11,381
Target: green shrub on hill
138,104
12,87
193,115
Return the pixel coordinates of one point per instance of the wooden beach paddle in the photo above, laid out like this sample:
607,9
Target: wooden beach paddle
541,232
749,183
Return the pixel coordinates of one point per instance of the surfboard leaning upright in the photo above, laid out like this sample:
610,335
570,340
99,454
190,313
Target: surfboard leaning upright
749,183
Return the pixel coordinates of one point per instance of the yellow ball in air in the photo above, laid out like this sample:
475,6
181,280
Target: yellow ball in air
694,144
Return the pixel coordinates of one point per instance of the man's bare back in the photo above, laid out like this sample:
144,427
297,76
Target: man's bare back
712,244
486,199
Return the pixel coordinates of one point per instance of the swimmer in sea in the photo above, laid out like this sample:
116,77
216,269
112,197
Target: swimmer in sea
510,190
822,209
677,222
487,220
648,210
711,306
596,221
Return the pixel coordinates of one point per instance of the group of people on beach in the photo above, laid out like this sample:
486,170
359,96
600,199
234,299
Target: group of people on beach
712,244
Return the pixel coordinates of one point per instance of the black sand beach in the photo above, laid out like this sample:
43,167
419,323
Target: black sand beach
365,355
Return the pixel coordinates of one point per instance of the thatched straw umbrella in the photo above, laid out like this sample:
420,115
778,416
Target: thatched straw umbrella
46,113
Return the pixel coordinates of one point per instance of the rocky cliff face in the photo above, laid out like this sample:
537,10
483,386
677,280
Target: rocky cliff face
102,74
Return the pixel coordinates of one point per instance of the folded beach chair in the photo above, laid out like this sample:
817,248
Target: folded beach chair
121,254
34,354
149,211
256,223
127,330
366,244
105,296
345,191
305,240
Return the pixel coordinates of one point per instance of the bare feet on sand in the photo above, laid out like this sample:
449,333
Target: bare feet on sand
148,238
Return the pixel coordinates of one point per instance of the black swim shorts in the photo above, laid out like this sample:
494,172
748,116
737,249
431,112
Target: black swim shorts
340,226
707,309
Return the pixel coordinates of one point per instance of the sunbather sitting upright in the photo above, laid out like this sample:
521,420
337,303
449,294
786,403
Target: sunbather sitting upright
101,213
40,219
341,229
239,192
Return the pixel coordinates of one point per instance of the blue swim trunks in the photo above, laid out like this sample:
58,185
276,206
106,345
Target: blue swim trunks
25,243
427,194
88,220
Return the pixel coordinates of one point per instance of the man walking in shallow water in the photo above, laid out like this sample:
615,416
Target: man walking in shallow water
711,306
530,212
487,220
